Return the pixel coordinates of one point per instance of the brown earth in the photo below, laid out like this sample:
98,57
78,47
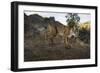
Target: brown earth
38,50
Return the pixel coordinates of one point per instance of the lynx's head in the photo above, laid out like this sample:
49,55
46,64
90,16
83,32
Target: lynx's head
73,33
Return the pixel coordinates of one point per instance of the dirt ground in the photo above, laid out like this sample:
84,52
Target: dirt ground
36,50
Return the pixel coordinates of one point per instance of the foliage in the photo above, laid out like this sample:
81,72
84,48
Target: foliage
84,32
72,19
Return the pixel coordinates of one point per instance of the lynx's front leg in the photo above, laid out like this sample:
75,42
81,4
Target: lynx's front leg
66,43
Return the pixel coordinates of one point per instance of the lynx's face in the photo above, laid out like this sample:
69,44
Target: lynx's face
73,33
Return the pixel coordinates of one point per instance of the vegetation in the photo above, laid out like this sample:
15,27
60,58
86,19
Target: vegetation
84,32
72,19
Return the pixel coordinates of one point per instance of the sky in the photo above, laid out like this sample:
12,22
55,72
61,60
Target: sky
60,16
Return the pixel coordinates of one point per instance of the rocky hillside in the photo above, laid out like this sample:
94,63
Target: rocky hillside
35,24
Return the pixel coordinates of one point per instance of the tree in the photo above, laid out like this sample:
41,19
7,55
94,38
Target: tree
72,19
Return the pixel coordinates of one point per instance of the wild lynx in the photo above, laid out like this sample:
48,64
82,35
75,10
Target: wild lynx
65,32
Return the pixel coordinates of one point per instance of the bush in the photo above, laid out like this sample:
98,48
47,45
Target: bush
84,35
